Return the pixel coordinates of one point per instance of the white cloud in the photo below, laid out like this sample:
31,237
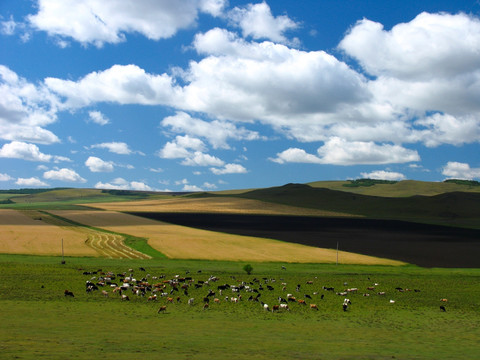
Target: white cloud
459,170
201,159
122,184
115,147
123,84
337,151
208,185
21,150
429,46
447,129
340,152
25,109
213,7
216,132
30,182
96,164
98,118
63,175
384,175
181,147
5,177
192,188
8,27
257,21
229,169
108,21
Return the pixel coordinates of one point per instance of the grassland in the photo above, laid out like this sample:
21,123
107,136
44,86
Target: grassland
38,321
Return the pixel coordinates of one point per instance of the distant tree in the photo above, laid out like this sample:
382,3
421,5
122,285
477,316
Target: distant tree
248,269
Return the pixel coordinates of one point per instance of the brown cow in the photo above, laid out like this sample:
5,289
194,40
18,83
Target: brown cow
162,309
314,306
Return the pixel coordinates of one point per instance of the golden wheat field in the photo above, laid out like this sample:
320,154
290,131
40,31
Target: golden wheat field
179,242
222,205
28,232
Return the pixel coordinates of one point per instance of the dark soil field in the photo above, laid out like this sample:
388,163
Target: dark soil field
419,244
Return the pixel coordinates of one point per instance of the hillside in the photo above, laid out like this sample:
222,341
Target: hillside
454,208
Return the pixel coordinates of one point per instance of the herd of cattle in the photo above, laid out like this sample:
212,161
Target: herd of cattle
178,289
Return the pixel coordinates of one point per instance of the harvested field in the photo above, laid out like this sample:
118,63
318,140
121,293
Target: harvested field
181,242
34,232
223,205
30,233
420,244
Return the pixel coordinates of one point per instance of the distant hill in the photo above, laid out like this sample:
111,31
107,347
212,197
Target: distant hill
399,188
453,208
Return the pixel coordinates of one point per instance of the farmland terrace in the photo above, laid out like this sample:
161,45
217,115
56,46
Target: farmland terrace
420,244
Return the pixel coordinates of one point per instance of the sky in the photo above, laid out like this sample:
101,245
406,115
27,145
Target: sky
204,95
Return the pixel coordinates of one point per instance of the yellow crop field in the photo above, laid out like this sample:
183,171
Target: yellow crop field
179,242
224,205
29,233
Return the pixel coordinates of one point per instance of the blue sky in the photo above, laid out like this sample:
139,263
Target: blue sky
197,95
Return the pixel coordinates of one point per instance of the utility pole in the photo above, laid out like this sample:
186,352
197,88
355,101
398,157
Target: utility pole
63,260
337,252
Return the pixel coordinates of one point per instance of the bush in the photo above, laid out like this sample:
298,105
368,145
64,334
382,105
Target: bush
248,269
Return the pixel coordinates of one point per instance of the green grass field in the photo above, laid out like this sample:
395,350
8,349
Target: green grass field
38,321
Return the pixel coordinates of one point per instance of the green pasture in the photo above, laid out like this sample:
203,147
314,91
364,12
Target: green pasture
39,322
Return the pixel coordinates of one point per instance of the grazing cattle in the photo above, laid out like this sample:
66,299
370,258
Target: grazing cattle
275,308
443,308
216,301
381,293
371,288
206,299
291,298
346,302
392,301
162,309
205,306
104,293
284,307
170,300
68,293
265,307
281,300
152,298
307,296
314,306
443,300
190,301
301,301
125,298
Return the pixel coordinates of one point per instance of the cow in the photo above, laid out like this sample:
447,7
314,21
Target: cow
125,298
314,307
205,306
442,308
284,307
190,301
275,308
162,309
68,293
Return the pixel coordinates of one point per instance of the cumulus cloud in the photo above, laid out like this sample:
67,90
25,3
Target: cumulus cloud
98,118
229,169
257,21
31,182
337,151
384,175
429,46
63,175
96,164
198,158
25,109
459,170
5,177
108,21
123,84
21,150
122,184
115,147
216,132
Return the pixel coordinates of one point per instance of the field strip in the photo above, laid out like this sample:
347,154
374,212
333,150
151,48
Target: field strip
103,244
180,242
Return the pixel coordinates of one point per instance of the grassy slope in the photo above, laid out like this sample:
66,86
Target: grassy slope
455,209
400,189
39,322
